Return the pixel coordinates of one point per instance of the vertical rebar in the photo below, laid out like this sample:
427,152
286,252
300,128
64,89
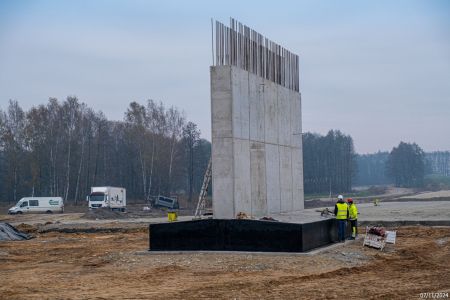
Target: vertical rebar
241,46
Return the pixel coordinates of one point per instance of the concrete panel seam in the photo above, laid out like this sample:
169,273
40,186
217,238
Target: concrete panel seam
268,143
292,166
293,185
232,141
249,145
278,148
262,95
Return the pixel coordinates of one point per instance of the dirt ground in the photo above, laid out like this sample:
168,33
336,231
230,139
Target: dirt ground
429,195
116,265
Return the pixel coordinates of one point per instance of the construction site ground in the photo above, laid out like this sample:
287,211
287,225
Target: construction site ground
77,256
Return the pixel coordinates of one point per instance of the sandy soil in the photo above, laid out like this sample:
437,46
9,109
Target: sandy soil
115,266
429,195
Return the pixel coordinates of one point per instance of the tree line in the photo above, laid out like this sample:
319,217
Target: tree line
62,148
438,162
332,166
372,169
329,163
406,165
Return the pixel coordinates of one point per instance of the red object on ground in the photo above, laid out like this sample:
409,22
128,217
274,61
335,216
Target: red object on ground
380,231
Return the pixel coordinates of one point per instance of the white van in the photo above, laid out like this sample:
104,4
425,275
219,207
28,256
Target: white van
38,205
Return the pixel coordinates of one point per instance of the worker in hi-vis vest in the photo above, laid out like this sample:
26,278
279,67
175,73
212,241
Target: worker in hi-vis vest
353,217
341,212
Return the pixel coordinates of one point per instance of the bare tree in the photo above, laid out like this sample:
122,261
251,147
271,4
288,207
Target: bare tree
14,141
70,114
136,117
175,124
82,138
53,139
37,120
191,136
63,148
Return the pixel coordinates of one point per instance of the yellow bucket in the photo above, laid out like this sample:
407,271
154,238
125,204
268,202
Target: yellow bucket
172,216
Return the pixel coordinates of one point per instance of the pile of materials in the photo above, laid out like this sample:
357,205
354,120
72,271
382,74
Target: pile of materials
9,233
377,237
379,231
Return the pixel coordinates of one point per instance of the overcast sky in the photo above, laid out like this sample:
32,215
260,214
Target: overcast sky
377,70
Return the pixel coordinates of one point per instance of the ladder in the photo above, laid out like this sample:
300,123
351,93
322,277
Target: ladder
203,193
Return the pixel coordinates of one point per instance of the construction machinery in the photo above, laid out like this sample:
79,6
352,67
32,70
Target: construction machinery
168,202
326,212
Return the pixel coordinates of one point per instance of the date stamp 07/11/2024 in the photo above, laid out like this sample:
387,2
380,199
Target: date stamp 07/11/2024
431,295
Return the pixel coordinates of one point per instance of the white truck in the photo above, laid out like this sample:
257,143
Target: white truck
38,205
107,196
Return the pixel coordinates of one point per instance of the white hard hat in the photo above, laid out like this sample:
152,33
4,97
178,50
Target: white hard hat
340,197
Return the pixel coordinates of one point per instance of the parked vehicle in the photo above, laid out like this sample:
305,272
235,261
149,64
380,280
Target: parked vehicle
38,205
162,201
107,196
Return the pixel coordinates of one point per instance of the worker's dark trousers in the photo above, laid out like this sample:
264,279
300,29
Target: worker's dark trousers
354,227
342,224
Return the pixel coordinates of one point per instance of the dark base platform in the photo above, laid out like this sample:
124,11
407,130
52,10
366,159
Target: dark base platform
242,235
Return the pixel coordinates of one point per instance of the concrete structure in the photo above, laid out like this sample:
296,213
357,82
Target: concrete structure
242,235
257,165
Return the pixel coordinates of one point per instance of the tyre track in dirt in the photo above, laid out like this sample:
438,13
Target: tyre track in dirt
404,274
108,266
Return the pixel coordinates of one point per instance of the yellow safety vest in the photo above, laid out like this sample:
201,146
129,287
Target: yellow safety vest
342,209
353,211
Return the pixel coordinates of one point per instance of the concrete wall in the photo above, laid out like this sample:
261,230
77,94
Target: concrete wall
257,165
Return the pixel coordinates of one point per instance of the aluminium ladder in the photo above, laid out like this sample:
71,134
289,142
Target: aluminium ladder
203,193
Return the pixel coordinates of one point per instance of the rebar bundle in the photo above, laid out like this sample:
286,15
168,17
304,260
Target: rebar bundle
241,46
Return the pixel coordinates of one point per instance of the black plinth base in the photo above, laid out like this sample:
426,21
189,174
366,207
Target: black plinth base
241,235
